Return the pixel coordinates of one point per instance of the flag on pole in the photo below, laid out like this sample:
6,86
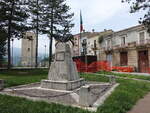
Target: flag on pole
81,22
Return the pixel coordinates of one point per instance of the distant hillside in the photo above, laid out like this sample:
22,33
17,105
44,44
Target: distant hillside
17,56
17,52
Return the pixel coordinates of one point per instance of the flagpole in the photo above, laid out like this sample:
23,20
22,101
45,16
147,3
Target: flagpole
80,43
81,29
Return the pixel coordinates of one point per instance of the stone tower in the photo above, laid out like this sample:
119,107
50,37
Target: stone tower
28,49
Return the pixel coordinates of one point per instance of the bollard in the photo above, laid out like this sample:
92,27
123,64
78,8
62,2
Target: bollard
85,98
112,79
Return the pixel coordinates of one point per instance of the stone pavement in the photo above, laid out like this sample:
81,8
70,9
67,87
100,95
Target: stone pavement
142,106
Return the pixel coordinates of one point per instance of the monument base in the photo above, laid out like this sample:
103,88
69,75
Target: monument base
62,85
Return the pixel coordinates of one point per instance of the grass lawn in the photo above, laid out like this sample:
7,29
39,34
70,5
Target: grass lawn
126,75
20,77
122,99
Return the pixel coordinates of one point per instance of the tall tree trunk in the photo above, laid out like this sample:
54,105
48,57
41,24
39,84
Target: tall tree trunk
8,46
9,36
51,39
50,50
37,23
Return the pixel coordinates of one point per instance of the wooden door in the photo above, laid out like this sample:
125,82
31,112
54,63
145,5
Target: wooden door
143,61
123,58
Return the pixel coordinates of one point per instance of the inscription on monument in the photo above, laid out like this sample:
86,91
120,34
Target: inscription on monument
60,56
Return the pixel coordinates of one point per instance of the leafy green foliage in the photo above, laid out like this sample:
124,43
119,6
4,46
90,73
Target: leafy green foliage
35,16
56,21
141,5
56,17
100,39
13,14
3,37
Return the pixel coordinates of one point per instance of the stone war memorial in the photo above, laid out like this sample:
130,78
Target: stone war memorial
63,73
64,85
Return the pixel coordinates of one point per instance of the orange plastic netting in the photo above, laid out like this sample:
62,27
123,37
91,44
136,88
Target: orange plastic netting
99,66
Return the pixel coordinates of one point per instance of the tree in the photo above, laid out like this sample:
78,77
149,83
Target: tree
3,38
141,5
56,21
35,14
13,21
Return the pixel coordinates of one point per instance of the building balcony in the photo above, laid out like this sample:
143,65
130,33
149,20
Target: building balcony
143,43
135,44
108,49
124,45
132,44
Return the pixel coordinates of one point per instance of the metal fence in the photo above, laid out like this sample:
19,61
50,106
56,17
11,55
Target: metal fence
24,62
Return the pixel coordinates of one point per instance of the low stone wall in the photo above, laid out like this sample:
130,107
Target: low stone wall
90,93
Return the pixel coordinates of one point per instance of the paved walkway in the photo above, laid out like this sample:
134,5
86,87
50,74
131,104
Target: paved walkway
133,73
122,78
142,106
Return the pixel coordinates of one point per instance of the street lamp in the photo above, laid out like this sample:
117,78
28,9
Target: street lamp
12,51
45,55
85,47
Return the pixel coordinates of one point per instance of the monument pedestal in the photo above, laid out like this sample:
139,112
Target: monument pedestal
62,85
63,73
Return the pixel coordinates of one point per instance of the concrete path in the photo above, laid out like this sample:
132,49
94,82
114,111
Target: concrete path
142,106
122,77
133,73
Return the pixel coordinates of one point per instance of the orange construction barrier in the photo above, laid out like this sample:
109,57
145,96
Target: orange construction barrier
100,66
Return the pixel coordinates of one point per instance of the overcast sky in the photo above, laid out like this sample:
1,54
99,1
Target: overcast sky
98,15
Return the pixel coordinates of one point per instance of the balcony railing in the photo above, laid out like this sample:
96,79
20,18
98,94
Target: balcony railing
123,45
128,45
108,48
143,42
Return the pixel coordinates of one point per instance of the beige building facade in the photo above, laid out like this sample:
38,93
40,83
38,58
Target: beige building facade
28,49
88,44
128,47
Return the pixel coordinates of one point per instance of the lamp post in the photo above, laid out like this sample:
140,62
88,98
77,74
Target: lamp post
45,55
86,58
12,51
85,47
